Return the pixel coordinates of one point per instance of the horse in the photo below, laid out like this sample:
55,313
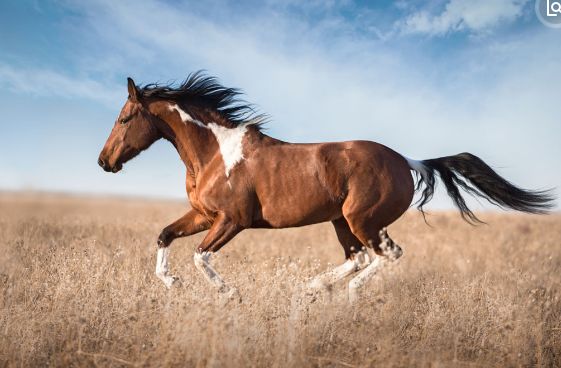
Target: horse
237,178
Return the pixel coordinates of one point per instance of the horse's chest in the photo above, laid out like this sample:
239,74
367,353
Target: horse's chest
193,194
194,200
207,197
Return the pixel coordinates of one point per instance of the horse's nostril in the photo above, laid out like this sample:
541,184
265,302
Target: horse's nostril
101,163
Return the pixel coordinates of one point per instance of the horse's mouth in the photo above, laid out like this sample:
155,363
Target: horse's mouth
117,168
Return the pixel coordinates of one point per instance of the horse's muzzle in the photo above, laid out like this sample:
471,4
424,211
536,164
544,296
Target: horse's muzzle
107,167
104,165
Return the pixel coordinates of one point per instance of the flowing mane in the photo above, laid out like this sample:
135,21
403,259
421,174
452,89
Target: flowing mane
205,91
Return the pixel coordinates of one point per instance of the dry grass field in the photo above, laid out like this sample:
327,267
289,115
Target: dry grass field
78,288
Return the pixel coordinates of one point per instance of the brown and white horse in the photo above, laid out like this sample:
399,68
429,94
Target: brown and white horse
240,178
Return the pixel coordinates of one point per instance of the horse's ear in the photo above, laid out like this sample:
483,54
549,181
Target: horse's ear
133,92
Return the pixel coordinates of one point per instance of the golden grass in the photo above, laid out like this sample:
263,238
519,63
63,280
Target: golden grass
78,288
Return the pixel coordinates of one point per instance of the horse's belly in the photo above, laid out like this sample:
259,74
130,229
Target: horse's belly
298,207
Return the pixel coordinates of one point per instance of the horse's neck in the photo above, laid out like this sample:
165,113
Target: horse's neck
199,135
227,142
194,144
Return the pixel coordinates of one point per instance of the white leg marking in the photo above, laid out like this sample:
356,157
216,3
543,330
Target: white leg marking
329,277
203,265
326,279
391,251
364,276
362,259
162,267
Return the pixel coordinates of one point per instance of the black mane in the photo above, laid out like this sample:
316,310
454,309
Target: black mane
205,91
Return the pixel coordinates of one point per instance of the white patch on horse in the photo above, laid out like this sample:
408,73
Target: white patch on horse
230,143
418,166
229,139
185,117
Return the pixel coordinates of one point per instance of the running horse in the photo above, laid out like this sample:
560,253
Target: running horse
240,178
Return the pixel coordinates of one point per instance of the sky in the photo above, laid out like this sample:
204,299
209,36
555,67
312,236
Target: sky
426,78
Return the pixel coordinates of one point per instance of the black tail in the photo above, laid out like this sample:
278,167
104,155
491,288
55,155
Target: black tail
470,173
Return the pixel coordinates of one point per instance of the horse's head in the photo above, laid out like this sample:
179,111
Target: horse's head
133,132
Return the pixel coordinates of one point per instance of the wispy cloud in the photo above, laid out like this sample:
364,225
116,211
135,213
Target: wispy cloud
475,16
47,82
290,68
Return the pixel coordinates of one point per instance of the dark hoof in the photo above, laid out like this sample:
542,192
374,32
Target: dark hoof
165,238
176,283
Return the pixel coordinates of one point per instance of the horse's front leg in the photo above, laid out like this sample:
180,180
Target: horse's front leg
223,230
191,223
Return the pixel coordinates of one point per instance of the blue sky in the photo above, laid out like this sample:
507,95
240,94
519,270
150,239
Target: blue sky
426,78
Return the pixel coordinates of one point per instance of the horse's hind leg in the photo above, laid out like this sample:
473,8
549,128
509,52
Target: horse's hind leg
355,253
387,251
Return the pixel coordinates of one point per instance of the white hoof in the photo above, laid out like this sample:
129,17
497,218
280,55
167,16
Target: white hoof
170,281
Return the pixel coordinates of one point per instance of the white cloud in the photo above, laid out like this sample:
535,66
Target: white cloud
476,16
47,82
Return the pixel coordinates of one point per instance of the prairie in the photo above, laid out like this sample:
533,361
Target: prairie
78,288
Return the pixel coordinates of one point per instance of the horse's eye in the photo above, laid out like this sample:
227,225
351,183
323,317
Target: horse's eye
125,120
